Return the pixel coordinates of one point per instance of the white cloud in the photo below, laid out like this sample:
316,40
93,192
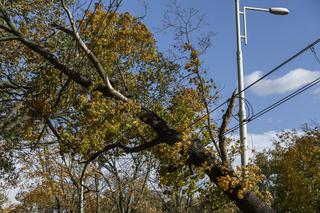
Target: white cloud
291,81
259,142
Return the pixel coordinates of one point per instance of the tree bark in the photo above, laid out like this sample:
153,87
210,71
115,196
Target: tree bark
198,155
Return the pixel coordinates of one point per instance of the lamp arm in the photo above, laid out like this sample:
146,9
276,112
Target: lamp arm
244,15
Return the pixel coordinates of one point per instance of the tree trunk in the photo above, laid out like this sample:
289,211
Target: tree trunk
249,203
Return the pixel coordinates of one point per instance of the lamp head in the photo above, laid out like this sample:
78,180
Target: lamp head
279,11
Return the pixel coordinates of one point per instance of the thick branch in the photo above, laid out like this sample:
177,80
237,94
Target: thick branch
147,116
7,29
8,38
127,149
96,63
223,129
198,156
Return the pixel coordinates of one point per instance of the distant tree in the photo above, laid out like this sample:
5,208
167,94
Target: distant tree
50,181
292,170
3,200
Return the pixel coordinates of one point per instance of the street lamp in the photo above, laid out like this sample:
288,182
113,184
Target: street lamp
272,10
242,109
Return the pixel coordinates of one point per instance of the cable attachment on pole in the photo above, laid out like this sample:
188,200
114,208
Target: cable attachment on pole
315,54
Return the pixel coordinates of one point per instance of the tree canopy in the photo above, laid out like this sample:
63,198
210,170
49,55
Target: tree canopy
81,94
292,171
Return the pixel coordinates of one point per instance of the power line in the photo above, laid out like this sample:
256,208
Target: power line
310,46
250,110
313,83
278,103
283,63
314,53
287,98
274,105
260,113
269,108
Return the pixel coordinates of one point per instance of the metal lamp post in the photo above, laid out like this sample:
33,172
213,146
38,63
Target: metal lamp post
242,109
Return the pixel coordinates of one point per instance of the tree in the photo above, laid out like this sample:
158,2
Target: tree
3,200
113,91
292,171
50,181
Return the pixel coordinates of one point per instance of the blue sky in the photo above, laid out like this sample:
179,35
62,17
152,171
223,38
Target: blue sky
272,39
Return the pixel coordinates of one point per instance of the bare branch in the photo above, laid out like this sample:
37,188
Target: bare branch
127,149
